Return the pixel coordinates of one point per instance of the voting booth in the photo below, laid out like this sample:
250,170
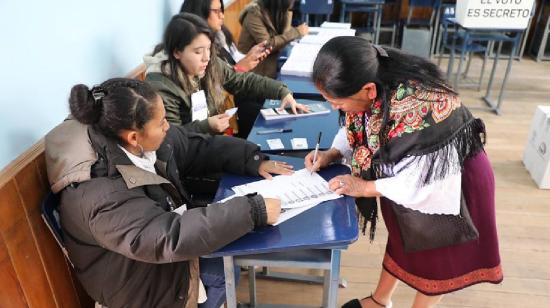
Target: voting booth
537,151
494,14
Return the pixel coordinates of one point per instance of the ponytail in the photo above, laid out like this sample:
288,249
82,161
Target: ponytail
115,105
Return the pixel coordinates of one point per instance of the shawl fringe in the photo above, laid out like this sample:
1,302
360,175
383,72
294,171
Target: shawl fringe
441,158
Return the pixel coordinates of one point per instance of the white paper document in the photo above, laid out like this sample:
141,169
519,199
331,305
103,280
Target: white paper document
297,192
230,112
275,144
299,143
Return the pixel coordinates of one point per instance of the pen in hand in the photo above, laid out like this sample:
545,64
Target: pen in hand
316,152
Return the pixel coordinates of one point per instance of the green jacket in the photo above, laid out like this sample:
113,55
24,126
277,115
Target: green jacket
178,103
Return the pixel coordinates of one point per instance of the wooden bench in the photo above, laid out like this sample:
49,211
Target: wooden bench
33,270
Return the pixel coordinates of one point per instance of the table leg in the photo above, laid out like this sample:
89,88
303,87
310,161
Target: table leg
487,97
507,73
451,59
230,291
252,286
379,10
330,295
461,60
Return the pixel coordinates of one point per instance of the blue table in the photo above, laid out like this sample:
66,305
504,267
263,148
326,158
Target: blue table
301,87
313,236
304,127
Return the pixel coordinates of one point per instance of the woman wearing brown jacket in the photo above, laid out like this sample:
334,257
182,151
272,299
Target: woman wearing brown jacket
131,227
268,20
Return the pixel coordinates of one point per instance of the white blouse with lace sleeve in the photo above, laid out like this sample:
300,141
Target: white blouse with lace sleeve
439,197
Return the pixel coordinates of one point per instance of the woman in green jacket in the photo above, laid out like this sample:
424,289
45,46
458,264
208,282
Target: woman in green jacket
189,76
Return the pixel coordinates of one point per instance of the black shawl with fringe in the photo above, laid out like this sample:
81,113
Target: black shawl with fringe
423,123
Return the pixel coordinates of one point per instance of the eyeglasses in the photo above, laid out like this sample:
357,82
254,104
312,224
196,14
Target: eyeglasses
217,11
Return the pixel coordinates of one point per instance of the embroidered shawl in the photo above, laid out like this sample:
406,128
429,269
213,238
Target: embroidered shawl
422,122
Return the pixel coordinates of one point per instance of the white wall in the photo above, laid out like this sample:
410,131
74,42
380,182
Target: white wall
47,47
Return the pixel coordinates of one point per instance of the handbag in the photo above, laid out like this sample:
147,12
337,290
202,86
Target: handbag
420,231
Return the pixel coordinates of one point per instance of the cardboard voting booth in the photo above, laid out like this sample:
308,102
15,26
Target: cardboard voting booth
537,151
494,14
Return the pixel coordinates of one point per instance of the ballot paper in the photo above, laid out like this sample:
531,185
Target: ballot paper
275,144
299,143
298,192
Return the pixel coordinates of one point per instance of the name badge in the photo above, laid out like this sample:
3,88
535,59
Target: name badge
199,108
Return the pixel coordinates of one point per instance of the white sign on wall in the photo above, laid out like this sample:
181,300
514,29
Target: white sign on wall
494,14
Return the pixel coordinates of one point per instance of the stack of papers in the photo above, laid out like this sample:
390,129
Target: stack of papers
320,36
297,192
301,59
303,55
337,25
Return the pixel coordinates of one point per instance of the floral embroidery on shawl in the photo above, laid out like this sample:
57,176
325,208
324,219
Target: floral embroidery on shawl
410,104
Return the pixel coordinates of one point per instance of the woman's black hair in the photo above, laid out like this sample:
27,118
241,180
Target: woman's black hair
115,105
182,29
345,64
202,8
277,11
199,7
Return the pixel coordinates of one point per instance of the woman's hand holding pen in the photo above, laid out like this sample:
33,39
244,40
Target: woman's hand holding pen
268,167
323,159
289,100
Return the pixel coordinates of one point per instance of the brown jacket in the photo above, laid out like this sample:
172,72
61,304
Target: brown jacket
128,247
256,28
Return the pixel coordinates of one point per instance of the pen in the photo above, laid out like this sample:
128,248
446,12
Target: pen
274,131
316,150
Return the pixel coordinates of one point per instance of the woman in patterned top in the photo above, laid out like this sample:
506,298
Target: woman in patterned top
414,145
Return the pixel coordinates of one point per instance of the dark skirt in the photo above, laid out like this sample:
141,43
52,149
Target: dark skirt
444,270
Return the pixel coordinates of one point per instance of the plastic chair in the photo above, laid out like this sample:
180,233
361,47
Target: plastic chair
373,9
428,23
539,42
445,11
316,7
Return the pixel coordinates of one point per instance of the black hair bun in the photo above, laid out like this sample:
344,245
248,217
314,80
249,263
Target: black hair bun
83,106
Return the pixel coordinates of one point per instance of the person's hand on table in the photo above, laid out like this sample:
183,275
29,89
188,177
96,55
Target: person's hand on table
348,185
290,101
273,209
353,186
268,167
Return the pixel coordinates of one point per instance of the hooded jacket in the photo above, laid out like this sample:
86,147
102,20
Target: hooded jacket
178,103
256,28
129,248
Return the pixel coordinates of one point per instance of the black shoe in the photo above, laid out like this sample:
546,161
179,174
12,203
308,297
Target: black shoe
354,303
